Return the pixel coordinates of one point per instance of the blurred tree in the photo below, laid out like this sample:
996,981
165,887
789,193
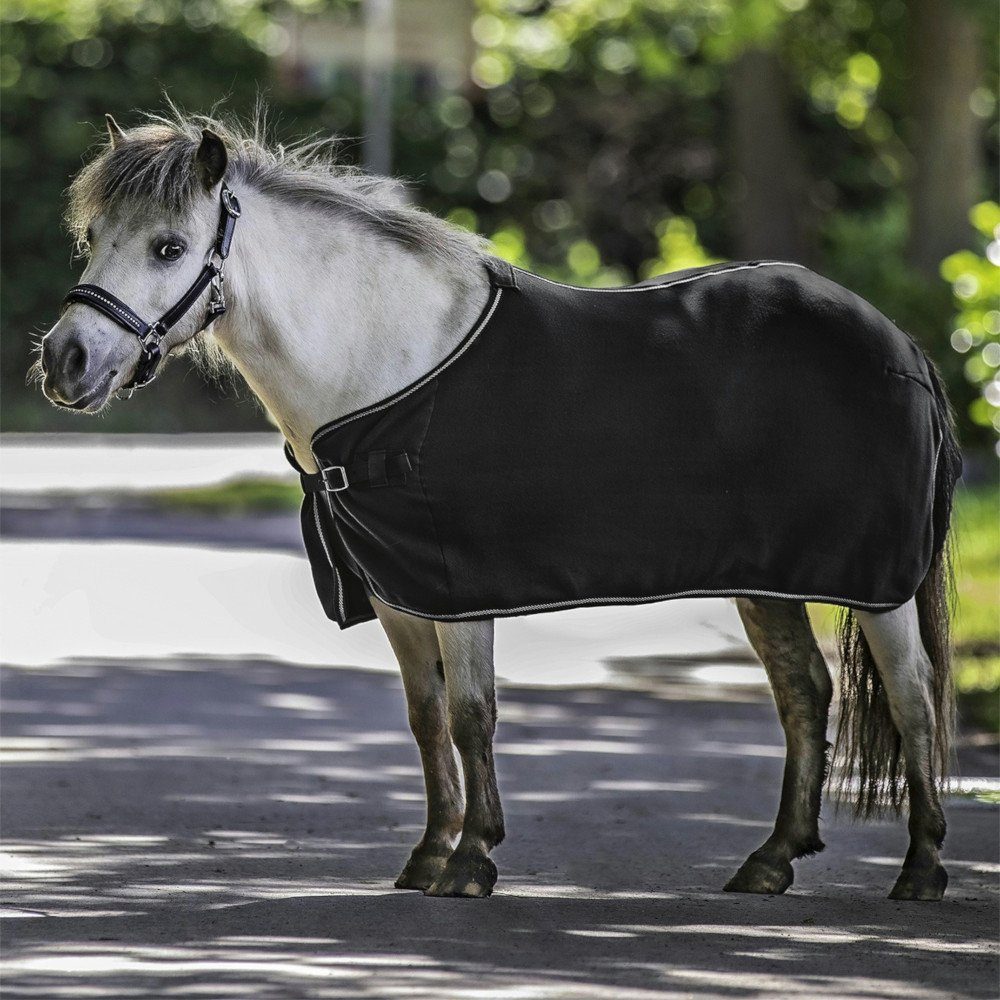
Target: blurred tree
974,277
775,128
598,141
945,53
774,217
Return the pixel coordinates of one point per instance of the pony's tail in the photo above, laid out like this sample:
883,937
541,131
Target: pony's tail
868,747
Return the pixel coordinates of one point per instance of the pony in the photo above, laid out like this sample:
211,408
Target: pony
339,295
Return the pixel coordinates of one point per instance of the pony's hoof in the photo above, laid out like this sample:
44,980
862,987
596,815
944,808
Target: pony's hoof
471,877
763,877
422,869
925,885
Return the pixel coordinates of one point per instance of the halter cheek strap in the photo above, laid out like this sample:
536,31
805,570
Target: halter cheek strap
151,334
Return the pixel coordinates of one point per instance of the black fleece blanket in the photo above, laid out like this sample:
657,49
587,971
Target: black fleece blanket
742,429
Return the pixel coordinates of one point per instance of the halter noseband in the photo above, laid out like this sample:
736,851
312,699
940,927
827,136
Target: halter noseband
151,334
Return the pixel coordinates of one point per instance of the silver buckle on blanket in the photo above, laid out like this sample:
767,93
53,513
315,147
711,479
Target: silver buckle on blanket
334,486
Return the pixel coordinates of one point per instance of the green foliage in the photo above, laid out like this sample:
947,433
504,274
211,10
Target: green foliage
594,146
977,565
618,112
637,89
678,248
975,282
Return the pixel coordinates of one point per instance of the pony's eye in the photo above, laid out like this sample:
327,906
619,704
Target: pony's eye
170,250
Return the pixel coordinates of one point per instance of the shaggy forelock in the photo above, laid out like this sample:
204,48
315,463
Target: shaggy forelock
155,166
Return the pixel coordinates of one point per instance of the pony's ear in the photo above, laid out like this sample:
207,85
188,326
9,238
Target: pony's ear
211,159
115,133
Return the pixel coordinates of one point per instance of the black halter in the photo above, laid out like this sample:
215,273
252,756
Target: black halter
151,334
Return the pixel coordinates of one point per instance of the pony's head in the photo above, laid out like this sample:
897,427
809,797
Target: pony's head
145,212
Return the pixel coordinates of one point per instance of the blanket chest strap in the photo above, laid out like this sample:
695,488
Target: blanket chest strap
376,469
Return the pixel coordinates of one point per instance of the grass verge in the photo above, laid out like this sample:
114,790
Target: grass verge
240,496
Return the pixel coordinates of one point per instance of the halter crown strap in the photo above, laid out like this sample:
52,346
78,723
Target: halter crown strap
151,334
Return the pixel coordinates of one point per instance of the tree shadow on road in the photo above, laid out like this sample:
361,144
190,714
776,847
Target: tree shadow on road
194,827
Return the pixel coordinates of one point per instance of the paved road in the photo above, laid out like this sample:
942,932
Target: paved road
215,829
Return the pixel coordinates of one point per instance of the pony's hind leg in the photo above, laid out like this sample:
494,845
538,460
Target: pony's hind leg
906,673
415,644
782,637
467,653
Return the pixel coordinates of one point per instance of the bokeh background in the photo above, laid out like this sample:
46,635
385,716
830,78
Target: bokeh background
598,141
207,786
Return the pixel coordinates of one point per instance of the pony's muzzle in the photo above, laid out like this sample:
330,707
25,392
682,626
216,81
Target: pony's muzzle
73,377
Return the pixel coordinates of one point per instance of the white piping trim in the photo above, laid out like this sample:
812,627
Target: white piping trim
653,598
333,565
336,425
319,529
668,284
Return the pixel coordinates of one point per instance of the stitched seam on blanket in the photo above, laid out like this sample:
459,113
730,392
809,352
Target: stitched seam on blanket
648,599
669,284
427,501
912,377
403,393
354,517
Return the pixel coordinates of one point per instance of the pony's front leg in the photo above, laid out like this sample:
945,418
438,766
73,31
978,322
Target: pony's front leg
415,643
467,653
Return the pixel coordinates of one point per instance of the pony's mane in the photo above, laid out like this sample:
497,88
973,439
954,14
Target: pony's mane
154,165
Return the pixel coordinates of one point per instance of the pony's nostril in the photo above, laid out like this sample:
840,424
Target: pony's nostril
48,356
75,359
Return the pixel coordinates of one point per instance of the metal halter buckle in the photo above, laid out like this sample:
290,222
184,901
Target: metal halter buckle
151,338
230,202
334,487
216,297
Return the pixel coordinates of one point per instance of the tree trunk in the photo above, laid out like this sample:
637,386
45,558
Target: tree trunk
772,216
944,57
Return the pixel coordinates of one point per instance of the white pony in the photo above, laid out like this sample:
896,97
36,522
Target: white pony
339,296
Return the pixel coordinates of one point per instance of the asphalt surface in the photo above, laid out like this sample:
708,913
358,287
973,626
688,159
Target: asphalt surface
217,828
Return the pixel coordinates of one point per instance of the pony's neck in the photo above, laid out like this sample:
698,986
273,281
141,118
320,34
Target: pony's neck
328,317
